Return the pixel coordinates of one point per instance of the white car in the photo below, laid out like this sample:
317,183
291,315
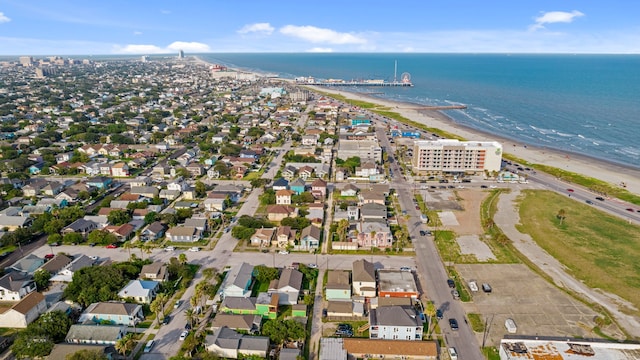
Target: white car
405,268
283,252
184,335
93,257
312,266
150,343
194,249
453,354
169,248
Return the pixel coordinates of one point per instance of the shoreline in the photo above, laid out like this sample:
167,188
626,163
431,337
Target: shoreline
610,172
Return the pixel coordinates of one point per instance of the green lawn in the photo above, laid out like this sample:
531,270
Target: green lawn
597,248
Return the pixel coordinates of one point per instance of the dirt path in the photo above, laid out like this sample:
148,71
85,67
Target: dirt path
507,217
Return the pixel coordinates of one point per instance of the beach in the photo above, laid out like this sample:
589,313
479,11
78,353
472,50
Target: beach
612,173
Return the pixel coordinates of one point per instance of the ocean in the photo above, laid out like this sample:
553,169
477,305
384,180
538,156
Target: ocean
582,104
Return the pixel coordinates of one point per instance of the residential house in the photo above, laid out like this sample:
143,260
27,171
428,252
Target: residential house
123,232
52,188
247,323
289,354
28,264
373,212
11,223
285,236
310,237
63,351
344,309
395,323
305,172
95,334
57,264
298,186
338,286
280,184
16,285
154,231
216,201
227,343
238,281
199,223
142,291
184,234
353,212
315,213
116,313
156,271
23,312
78,263
283,197
371,196
363,278
349,190
309,140
100,182
146,191
120,170
367,169
319,188
169,194
288,286
262,237
289,172
373,234
279,212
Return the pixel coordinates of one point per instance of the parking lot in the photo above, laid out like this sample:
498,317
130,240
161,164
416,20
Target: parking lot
536,306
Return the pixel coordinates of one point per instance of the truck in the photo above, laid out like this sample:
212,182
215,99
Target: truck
473,286
510,325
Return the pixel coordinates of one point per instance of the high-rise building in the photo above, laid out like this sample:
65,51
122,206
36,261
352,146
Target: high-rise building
143,58
180,54
26,60
453,156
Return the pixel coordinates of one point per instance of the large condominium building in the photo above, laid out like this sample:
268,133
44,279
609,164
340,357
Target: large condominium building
366,150
453,156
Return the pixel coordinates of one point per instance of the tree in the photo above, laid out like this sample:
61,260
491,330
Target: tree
41,278
265,274
119,217
430,311
242,233
279,330
200,189
561,215
190,314
125,344
37,340
183,258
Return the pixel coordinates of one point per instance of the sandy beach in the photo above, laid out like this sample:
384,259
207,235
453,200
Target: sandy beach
614,174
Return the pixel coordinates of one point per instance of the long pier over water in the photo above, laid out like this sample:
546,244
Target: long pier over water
359,83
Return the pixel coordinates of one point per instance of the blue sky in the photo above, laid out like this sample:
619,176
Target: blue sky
68,27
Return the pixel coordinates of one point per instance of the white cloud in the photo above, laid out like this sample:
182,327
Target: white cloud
320,50
137,33
319,35
4,18
189,46
264,28
551,17
193,47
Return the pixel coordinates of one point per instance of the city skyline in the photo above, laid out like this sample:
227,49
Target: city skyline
461,26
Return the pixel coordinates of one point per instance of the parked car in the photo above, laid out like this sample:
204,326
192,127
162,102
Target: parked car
405,268
451,283
486,288
149,345
187,326
112,246
166,320
439,314
455,294
599,198
423,233
194,249
49,256
184,335
169,248
453,354
312,266
483,186
177,304
453,323
283,252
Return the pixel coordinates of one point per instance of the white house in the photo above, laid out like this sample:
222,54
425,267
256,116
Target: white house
395,323
229,344
16,285
117,313
24,312
142,291
363,278
238,281
287,287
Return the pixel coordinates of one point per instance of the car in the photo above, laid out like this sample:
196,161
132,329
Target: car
283,252
149,345
184,335
589,202
600,198
264,251
49,256
455,294
453,354
194,249
112,246
492,187
312,266
405,268
630,209
187,326
93,257
570,190
177,304
92,244
166,320
486,288
439,314
483,186
423,233
344,327
451,283
169,248
54,244
453,323
418,208
324,312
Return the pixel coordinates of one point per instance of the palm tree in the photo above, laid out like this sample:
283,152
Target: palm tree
127,245
190,315
125,344
183,258
430,311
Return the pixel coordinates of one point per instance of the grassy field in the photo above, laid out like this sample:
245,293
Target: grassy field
597,248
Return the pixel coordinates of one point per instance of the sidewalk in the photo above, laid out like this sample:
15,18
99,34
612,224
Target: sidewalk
507,217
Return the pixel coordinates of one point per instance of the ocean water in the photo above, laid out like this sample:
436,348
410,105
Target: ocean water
583,104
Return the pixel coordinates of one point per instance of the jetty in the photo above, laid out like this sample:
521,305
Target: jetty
356,83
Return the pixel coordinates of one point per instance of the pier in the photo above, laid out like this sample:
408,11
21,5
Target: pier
359,83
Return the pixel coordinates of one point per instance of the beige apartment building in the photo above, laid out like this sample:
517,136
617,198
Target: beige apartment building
452,156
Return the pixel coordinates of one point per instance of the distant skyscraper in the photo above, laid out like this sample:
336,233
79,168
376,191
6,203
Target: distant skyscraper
180,54
143,58
26,60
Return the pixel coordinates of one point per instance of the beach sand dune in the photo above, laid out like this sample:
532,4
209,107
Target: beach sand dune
611,173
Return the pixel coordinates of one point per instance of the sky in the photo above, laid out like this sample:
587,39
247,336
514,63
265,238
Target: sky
146,27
